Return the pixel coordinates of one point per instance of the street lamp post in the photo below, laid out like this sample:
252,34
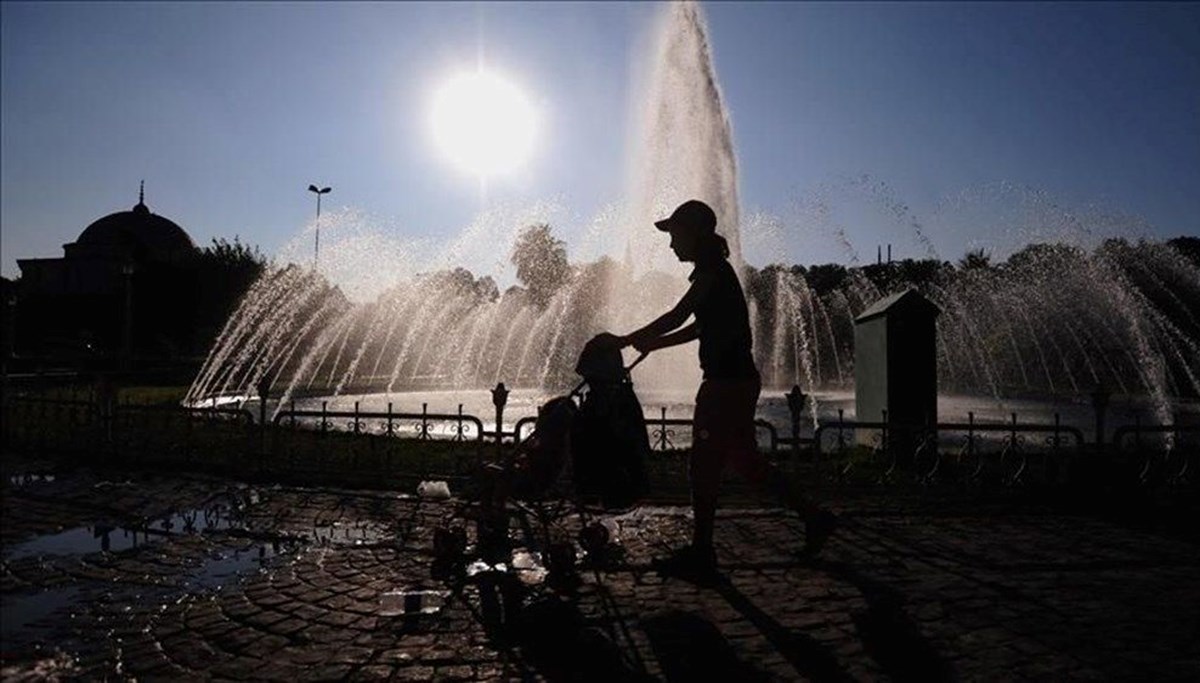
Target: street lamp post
317,242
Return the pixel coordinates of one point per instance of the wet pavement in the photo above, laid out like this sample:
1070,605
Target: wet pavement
181,577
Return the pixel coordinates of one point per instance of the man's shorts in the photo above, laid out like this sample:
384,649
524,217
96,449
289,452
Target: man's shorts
724,416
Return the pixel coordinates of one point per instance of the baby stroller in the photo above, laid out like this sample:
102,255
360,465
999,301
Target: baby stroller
603,437
598,429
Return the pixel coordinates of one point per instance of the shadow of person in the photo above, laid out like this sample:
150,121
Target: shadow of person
690,648
805,654
556,642
888,634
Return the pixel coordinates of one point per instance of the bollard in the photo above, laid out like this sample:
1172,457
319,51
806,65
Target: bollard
264,387
1100,398
795,402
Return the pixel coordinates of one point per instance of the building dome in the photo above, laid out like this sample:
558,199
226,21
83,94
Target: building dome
138,229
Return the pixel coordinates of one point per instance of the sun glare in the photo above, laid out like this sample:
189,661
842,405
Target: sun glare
483,124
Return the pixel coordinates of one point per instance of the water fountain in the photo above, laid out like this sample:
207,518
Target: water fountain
1053,322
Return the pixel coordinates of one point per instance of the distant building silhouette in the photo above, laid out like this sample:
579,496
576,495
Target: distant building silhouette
126,287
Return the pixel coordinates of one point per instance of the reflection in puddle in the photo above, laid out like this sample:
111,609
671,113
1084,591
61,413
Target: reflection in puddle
227,566
214,518
114,539
82,540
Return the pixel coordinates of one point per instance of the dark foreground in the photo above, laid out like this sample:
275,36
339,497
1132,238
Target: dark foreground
266,582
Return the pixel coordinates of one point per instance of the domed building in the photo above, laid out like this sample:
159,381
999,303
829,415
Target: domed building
122,287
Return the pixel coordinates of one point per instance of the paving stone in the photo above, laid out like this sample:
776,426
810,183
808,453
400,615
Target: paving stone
414,673
1035,594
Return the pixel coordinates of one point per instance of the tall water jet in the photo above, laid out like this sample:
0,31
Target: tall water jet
684,146
683,149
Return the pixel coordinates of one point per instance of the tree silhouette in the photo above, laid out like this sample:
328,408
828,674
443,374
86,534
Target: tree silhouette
541,262
976,259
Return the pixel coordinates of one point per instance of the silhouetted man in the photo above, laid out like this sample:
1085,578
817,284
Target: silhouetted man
723,423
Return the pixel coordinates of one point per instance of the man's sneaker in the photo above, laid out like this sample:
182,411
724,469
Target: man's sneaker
818,527
689,563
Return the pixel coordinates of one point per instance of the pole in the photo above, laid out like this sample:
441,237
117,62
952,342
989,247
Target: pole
317,239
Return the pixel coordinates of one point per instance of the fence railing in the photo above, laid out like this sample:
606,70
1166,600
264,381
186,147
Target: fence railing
424,425
964,451
921,447
1172,464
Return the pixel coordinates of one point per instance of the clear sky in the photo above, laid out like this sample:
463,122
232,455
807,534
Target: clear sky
968,119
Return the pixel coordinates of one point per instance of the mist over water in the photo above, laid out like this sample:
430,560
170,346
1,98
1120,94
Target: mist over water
386,316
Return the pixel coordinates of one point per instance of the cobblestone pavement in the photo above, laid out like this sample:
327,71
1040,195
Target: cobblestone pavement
223,580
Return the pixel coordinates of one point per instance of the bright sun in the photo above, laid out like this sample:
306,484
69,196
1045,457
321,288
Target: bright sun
483,124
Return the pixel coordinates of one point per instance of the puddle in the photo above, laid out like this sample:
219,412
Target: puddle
19,480
83,540
26,618
214,518
228,566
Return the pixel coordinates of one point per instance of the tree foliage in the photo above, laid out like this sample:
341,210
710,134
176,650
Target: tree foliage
976,259
1189,247
224,272
541,261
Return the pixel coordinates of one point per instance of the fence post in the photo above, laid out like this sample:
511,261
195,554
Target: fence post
500,399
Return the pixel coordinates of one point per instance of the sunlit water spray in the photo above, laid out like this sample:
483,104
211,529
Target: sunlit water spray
385,316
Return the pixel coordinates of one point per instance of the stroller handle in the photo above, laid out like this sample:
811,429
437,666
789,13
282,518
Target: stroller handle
639,359
579,387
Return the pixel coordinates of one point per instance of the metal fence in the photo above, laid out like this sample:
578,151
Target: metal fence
1012,453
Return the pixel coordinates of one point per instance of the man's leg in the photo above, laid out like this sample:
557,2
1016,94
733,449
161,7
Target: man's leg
704,471
819,524
754,468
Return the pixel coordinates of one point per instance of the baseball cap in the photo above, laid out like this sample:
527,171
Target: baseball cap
692,215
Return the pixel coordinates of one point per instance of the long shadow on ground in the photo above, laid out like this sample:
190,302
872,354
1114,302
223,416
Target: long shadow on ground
690,648
888,634
806,655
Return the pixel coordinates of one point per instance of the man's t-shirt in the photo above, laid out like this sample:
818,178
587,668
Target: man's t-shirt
723,322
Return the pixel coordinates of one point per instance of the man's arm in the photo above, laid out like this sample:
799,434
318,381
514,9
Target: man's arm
671,319
680,336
